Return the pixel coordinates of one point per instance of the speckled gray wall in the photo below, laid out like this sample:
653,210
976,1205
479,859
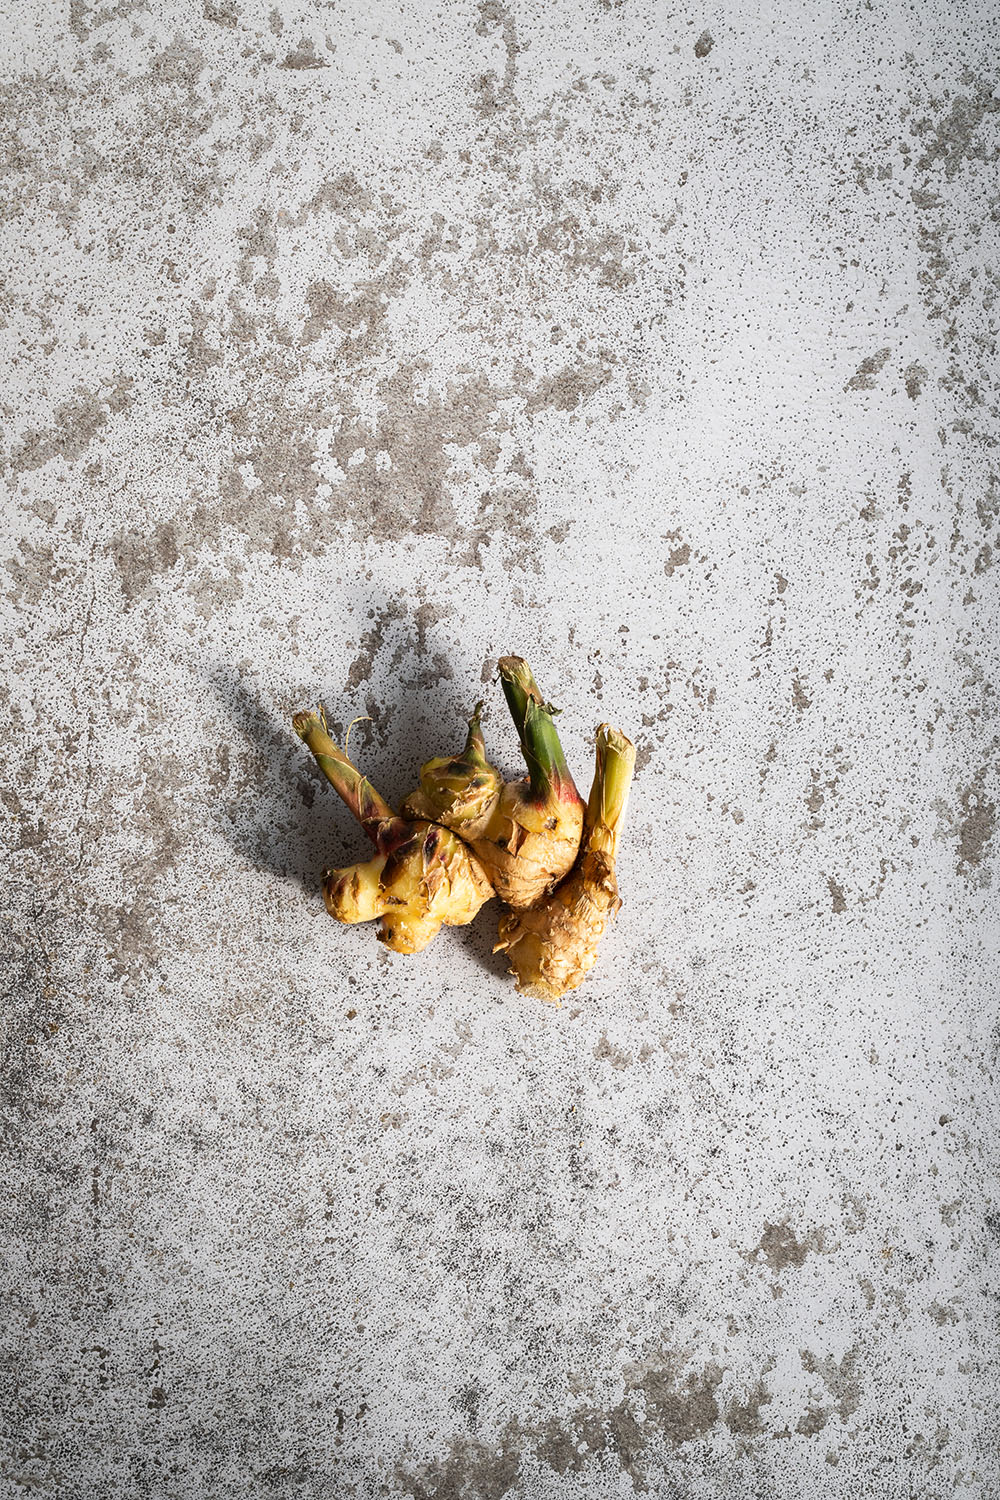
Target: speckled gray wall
347,347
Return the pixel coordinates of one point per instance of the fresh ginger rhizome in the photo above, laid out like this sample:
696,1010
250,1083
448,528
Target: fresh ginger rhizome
465,835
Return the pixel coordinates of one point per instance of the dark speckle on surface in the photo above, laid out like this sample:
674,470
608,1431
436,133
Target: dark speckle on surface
781,1249
864,377
837,897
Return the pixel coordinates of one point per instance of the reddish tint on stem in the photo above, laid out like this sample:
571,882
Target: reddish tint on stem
386,830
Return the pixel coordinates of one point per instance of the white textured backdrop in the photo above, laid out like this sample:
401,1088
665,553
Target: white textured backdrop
347,347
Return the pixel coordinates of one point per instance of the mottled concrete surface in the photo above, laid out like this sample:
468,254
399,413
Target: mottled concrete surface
345,349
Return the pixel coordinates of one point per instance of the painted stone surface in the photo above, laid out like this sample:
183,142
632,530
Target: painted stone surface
347,348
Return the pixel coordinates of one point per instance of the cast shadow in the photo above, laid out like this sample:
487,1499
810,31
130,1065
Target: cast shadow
478,939
277,822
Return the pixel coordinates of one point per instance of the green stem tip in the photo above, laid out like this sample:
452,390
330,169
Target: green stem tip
615,765
475,745
548,772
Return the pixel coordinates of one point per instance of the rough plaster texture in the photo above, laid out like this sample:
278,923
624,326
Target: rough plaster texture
347,347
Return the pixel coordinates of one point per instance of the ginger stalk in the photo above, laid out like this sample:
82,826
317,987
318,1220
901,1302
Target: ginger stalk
553,946
525,833
460,791
422,878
